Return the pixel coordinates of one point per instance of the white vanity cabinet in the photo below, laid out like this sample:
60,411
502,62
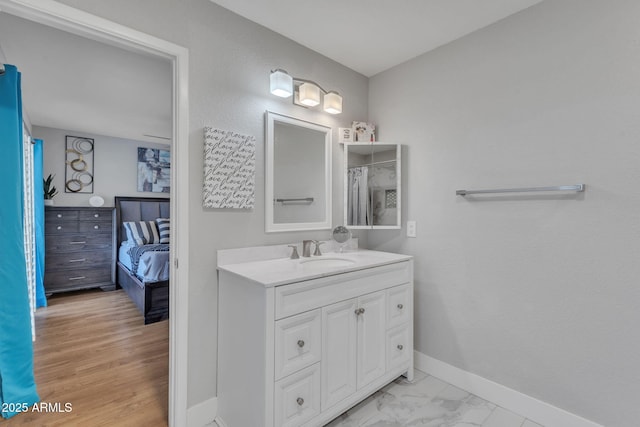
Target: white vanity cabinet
300,353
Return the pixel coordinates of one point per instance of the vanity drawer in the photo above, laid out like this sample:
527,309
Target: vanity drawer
398,305
310,294
297,397
399,347
298,342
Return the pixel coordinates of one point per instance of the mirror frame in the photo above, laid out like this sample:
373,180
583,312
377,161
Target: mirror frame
345,178
271,119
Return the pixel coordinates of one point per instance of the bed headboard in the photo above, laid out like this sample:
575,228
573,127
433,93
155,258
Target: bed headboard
138,209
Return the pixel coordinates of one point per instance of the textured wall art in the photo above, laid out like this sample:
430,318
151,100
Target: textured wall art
78,173
154,170
229,169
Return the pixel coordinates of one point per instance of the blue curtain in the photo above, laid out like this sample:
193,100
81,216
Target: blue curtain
17,383
38,206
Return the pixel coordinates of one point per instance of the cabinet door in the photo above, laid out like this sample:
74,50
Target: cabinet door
338,352
371,337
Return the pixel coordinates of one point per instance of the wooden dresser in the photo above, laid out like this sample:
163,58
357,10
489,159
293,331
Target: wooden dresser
79,248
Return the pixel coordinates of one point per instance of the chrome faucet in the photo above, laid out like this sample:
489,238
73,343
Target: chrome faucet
318,243
294,253
306,248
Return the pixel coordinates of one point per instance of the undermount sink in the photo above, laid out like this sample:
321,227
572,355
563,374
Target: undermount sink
326,262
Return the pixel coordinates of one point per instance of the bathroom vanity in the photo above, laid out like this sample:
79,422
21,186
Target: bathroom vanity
301,341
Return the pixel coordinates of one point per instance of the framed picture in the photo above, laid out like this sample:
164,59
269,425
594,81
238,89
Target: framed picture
345,135
363,132
78,172
154,170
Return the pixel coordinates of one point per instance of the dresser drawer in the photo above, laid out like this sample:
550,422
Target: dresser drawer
82,259
92,226
76,278
399,348
52,215
398,305
298,342
77,242
297,397
61,227
96,215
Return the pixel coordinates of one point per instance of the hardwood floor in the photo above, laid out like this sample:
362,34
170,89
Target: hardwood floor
94,352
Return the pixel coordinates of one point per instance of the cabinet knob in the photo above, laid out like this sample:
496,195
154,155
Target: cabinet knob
59,215
359,311
96,215
300,401
59,227
400,306
95,227
300,343
400,346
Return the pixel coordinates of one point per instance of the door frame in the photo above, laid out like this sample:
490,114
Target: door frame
66,18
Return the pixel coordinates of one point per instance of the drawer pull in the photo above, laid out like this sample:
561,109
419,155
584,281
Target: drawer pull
400,306
59,215
95,227
359,311
400,346
78,260
300,401
96,215
77,278
300,343
59,227
77,243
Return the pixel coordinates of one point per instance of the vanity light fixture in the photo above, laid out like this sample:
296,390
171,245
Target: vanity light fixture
306,92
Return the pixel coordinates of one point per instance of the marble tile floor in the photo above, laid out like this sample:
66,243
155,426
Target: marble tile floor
427,402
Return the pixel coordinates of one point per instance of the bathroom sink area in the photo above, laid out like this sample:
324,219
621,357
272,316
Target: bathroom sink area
326,262
272,266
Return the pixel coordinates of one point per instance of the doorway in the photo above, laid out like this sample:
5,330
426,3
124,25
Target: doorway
62,17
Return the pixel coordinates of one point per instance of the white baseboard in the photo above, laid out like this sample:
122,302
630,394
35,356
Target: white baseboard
512,400
203,413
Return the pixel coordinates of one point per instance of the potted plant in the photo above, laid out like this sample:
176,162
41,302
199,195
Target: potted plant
49,190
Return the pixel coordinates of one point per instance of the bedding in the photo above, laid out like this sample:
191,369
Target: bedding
164,229
150,262
142,232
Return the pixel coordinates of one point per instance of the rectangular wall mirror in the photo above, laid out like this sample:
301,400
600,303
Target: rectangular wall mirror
298,174
372,185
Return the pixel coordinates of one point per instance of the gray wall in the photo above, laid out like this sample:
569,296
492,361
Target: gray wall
538,293
230,61
115,166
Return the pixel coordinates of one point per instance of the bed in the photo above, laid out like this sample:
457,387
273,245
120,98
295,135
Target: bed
143,272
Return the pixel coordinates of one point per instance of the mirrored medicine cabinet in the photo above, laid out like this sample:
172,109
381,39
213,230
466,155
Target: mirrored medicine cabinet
297,174
372,193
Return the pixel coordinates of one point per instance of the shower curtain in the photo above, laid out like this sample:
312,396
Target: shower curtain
17,383
358,212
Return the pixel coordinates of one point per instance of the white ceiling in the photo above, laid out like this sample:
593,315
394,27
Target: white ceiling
370,36
74,83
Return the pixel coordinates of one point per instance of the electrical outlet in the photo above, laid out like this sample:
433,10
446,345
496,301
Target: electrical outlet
411,229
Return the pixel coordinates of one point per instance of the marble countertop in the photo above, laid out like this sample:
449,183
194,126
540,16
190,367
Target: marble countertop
282,271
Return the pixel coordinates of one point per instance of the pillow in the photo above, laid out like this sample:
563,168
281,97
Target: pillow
142,232
164,228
